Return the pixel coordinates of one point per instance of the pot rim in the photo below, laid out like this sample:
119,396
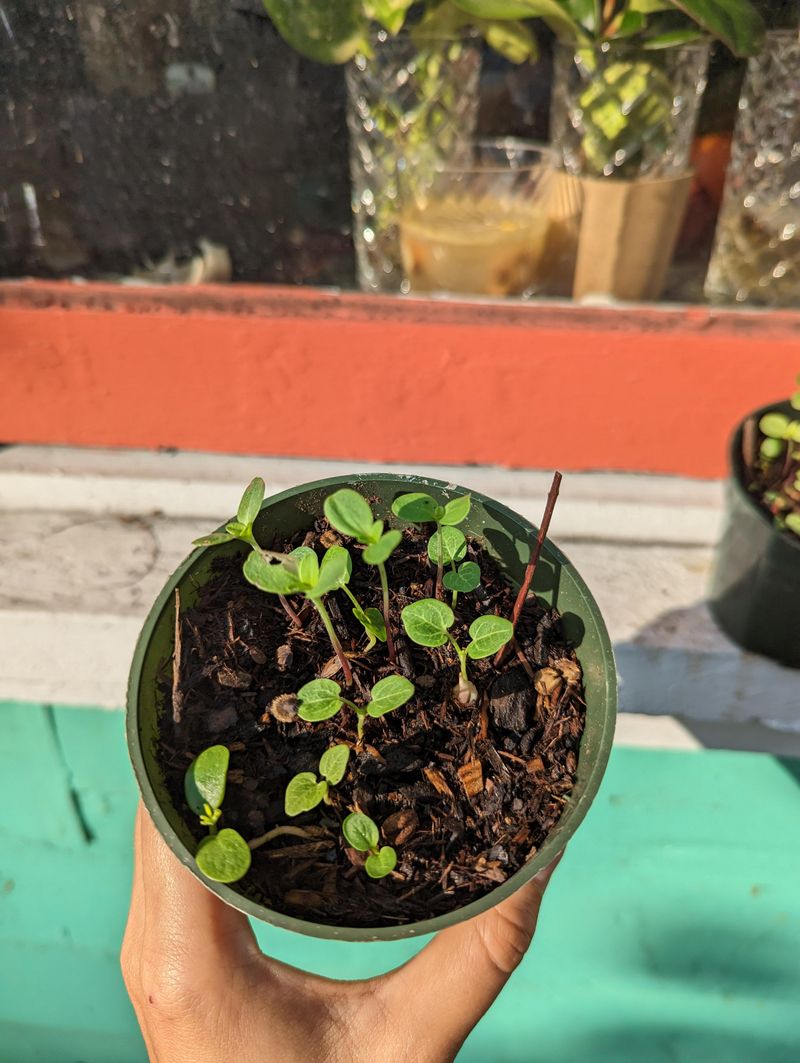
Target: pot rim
553,843
736,467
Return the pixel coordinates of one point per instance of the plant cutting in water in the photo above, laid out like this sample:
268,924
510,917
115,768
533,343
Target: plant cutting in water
362,834
224,855
305,791
322,698
428,622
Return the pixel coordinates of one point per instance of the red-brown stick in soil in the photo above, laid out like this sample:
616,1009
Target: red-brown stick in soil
552,495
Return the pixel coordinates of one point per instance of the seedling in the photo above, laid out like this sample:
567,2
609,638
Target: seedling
349,513
361,833
304,576
447,545
224,855
428,622
322,698
779,429
305,792
370,619
778,474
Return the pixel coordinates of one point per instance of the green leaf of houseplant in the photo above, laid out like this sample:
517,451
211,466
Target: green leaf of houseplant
333,763
390,13
554,13
269,577
251,502
307,564
734,22
377,553
389,693
417,508
466,578
382,863
456,510
215,539
204,782
335,572
328,31
774,425
303,793
360,832
348,512
515,41
449,543
488,634
427,622
319,700
224,857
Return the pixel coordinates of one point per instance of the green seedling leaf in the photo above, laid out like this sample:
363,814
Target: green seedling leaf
349,513
303,793
224,857
360,832
795,400
204,782
382,863
793,431
389,693
488,634
269,577
793,523
377,553
771,449
450,543
319,700
235,529
373,623
210,815
328,31
774,425
466,578
307,564
333,763
456,510
427,622
417,508
335,572
215,539
251,502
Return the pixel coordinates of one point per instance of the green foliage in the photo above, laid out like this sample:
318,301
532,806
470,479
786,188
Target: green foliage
488,635
793,522
771,449
389,694
242,527
305,792
382,863
204,782
361,833
319,700
322,698
446,546
774,425
380,552
349,513
224,857
417,507
427,622
333,763
465,578
373,623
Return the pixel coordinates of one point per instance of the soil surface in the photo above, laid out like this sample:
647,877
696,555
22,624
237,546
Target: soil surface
465,795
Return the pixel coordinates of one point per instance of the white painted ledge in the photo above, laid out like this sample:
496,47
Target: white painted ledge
119,522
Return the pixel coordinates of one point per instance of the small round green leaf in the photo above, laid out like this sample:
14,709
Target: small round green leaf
793,431
224,857
456,510
417,508
427,621
795,400
389,693
382,863
333,763
235,529
269,577
319,700
488,634
774,425
377,553
466,578
251,502
771,449
372,621
450,543
793,523
334,573
331,556
360,832
307,564
204,782
303,793
348,512
215,539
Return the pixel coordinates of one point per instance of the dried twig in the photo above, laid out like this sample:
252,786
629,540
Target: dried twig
177,696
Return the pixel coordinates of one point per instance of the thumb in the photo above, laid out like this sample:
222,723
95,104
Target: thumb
454,980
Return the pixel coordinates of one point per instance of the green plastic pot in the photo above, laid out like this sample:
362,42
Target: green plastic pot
509,538
755,585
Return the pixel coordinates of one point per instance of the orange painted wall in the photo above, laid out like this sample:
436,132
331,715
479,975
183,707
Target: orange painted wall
297,373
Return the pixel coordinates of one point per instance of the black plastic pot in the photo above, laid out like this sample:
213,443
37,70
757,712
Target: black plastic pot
508,537
755,587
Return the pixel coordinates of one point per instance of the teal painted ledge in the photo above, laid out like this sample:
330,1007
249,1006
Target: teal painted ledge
670,933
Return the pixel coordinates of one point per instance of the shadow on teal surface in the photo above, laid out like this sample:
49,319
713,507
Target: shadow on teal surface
670,932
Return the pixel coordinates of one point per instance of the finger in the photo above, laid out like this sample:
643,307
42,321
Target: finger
455,978
131,952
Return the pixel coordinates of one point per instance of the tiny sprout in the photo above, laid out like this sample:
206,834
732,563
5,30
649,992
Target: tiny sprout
322,698
447,545
242,527
370,619
428,622
304,792
361,833
349,513
223,856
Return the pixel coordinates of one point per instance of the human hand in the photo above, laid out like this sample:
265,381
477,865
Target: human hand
204,992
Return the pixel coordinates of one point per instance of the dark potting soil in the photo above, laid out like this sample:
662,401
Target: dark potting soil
465,795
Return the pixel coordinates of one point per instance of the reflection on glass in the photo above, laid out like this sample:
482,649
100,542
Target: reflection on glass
479,227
